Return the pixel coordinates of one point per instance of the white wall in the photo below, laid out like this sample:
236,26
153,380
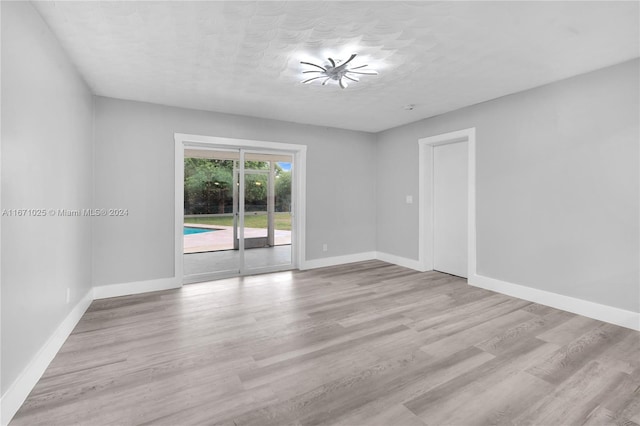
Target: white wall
47,116
557,186
134,169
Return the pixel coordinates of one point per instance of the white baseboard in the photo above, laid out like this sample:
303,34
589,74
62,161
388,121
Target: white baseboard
359,257
400,261
17,393
337,260
582,307
137,287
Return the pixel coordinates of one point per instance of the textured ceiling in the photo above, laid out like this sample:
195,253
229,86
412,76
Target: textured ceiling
243,57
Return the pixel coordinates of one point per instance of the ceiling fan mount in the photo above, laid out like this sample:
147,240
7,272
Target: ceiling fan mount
337,71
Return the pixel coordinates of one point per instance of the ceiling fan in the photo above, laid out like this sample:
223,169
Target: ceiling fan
337,71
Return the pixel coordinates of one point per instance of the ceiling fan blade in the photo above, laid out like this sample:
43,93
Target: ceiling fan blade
314,65
364,72
343,83
333,63
311,79
349,60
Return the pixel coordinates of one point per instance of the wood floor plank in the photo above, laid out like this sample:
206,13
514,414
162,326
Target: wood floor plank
602,416
396,415
574,400
442,346
518,358
497,404
569,330
624,401
436,373
368,343
571,357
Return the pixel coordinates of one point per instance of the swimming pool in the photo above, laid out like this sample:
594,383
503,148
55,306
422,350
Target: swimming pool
189,230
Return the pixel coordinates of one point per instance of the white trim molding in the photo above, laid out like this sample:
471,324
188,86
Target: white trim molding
137,287
337,260
582,307
361,257
425,198
299,153
400,261
17,393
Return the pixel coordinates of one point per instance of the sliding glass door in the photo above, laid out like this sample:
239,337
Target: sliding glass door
237,212
267,211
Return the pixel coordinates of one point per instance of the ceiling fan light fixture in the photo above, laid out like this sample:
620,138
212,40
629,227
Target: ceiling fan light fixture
337,71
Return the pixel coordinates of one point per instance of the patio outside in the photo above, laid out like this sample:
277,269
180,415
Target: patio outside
222,237
211,191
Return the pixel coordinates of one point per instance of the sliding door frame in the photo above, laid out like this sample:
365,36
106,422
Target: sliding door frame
299,154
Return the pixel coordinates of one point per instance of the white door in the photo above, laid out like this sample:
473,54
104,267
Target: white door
450,187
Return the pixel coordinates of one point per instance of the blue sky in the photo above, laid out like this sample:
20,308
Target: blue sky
285,166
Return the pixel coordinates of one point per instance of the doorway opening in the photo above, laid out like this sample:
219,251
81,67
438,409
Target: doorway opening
240,207
446,227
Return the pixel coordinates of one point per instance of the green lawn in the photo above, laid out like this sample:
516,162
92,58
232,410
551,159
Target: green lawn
282,221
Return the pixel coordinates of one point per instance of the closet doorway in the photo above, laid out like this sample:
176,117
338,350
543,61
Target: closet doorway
447,203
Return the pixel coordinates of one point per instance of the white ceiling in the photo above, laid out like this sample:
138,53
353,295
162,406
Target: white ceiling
243,57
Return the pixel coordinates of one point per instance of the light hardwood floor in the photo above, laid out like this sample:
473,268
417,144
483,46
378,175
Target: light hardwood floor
362,344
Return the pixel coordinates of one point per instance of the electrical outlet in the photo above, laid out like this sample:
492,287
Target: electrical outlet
324,247
68,294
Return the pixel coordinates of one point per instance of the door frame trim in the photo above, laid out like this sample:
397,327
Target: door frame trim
425,196
299,153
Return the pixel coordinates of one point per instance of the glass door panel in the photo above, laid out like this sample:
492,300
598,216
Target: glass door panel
209,213
256,210
283,219
267,211
258,234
